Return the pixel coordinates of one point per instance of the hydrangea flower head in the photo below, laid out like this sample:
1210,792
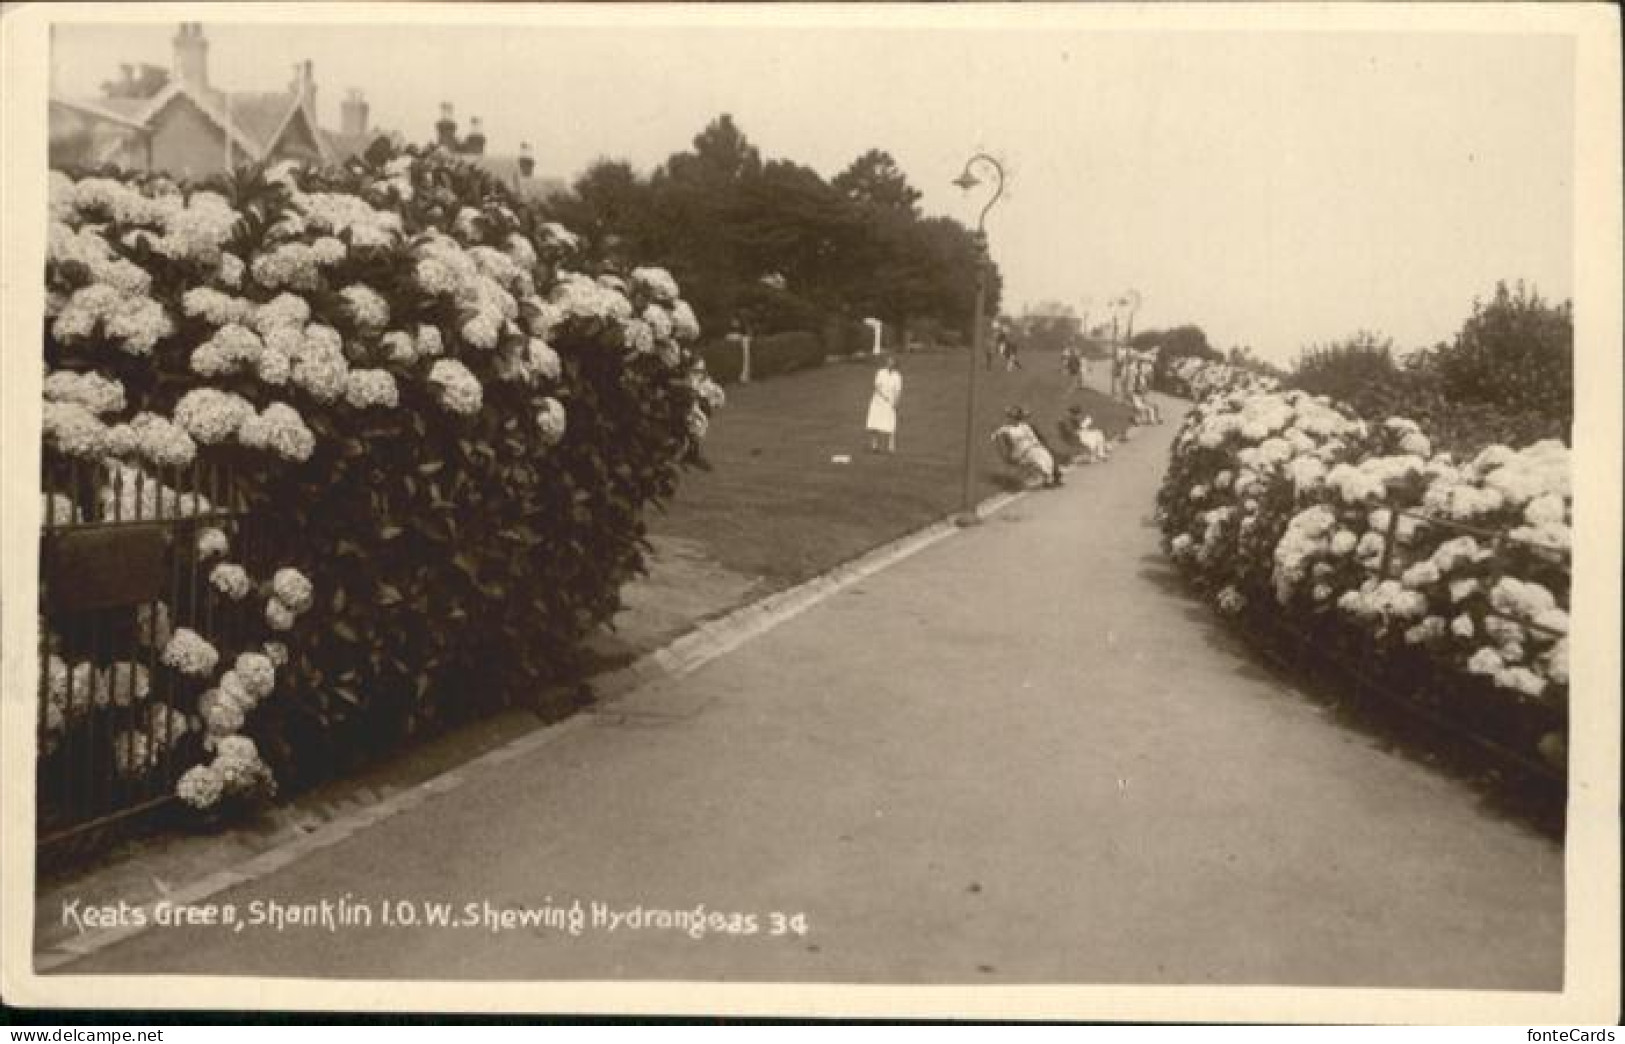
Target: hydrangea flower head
190,653
200,787
458,390
257,672
293,589
231,580
551,420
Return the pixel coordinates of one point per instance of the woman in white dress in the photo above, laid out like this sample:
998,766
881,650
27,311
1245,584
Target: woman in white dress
882,420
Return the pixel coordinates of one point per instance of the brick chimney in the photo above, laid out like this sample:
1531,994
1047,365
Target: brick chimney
353,113
527,162
192,56
474,144
303,85
446,128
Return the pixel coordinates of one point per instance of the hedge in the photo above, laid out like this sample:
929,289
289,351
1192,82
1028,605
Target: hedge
446,432
771,355
785,353
724,360
1448,577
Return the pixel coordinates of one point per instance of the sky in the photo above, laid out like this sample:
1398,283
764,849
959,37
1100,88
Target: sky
1277,189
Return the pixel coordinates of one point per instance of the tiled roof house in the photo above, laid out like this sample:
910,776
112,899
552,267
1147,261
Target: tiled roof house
186,127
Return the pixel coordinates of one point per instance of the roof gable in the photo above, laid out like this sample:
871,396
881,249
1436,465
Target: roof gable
178,93
105,110
261,114
299,131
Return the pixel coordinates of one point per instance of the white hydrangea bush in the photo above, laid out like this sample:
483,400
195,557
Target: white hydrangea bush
281,325
1282,503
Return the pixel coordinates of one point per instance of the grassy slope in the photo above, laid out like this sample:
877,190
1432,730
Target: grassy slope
776,506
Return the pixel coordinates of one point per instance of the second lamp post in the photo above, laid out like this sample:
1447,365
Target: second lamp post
967,181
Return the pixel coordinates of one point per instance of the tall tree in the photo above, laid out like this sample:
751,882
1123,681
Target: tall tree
771,245
1516,353
696,195
874,178
788,221
722,155
608,207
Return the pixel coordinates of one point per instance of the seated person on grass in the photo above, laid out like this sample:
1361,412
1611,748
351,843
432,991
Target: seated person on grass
1020,447
1085,441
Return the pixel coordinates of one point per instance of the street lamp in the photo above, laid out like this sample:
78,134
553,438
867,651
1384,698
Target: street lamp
1129,303
967,181
1131,300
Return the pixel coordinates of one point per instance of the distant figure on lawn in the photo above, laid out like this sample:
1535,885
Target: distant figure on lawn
1009,351
1020,447
1072,363
1079,434
882,422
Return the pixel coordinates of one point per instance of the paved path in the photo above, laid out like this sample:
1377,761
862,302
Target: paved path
1023,755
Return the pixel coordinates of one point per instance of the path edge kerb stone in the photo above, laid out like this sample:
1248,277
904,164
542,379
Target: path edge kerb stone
716,637
682,656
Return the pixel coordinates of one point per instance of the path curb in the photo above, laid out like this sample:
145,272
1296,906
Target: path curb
718,637
680,657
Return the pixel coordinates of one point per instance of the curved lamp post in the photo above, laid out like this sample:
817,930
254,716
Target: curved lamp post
1131,301
1128,303
967,181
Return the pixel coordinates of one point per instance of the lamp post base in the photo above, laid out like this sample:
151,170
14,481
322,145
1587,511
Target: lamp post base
966,519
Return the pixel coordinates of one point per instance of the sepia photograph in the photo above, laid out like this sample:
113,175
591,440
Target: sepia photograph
1049,511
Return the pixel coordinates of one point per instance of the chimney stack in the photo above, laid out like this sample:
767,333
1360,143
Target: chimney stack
192,56
446,129
527,162
303,84
353,113
474,144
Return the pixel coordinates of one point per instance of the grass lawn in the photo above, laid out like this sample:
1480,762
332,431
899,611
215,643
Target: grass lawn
776,506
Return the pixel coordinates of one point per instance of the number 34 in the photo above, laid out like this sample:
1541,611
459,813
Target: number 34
785,924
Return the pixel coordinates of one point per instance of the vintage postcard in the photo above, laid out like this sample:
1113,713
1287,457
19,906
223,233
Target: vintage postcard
1038,511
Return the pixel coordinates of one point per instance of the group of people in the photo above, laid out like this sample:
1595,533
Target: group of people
1017,441
1131,381
1008,350
1022,448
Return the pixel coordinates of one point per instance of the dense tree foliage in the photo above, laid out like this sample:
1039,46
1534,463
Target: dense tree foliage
1507,376
1179,342
767,245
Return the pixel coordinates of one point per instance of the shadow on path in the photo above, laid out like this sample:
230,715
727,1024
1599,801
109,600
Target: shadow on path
1386,725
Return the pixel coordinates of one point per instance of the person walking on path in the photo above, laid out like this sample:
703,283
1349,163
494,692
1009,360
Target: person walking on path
882,420
1145,411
